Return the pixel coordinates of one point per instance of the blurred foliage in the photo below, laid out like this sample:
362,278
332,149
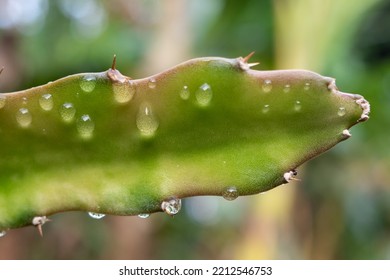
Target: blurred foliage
340,210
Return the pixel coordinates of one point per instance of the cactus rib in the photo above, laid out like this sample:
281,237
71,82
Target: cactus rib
106,143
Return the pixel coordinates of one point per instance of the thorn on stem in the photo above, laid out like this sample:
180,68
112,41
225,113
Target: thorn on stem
113,63
253,64
290,176
39,221
246,59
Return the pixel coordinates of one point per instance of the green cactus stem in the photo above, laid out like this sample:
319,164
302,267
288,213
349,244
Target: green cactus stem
109,144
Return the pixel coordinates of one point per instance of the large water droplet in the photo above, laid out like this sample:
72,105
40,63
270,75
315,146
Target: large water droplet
96,215
123,92
147,122
23,117
171,206
287,88
341,112
265,109
267,85
2,233
306,87
230,193
152,83
3,100
46,102
185,93
88,83
67,112
85,127
297,106
144,216
204,95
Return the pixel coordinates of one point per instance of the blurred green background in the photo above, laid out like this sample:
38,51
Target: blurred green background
340,209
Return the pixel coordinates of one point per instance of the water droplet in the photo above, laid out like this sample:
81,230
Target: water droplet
144,216
297,106
287,88
2,233
152,83
96,216
46,102
267,85
146,121
24,100
88,83
204,95
67,112
171,206
306,87
341,112
3,100
123,92
85,127
23,117
185,93
230,193
265,109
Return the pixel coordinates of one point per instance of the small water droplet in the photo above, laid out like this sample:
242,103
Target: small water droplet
267,85
152,83
3,100
85,127
67,112
24,100
2,233
265,109
146,121
23,117
287,88
96,216
171,206
144,216
88,83
297,106
46,102
123,92
341,112
306,87
185,93
230,193
204,95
